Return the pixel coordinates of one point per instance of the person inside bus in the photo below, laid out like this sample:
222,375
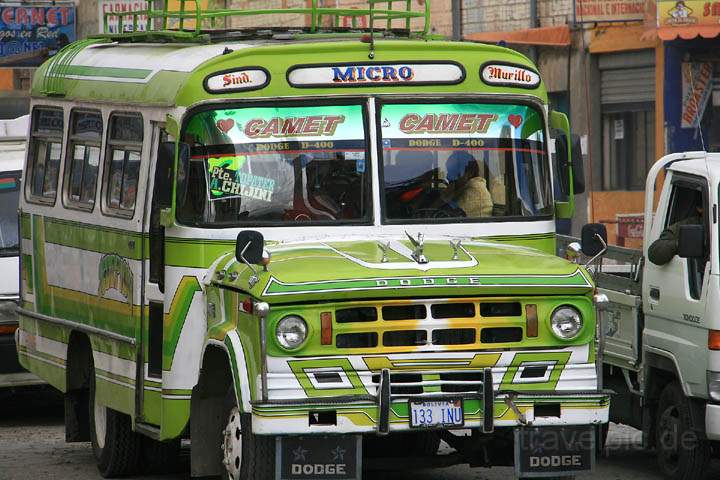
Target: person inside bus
689,211
468,187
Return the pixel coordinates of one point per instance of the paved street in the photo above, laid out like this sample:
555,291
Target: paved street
32,446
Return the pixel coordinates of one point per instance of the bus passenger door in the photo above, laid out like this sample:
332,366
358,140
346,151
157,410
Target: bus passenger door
154,282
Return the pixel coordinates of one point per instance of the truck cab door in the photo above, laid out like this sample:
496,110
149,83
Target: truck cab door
675,293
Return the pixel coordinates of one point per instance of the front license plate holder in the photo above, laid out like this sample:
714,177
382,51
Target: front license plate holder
318,457
444,413
554,450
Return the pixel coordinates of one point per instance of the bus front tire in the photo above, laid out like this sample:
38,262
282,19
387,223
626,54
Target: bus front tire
115,446
245,455
681,454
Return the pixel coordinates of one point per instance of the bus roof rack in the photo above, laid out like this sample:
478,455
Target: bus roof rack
193,23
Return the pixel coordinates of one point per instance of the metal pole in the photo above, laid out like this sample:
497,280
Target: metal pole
457,20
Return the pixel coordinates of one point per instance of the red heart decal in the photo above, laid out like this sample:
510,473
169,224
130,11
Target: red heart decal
515,120
226,124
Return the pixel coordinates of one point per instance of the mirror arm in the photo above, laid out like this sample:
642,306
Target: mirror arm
601,253
254,279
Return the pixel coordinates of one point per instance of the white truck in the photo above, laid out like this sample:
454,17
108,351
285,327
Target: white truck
12,154
660,339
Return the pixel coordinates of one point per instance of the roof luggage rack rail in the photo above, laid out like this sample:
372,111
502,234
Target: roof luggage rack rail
192,22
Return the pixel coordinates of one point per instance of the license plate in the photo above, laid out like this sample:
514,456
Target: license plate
441,413
554,450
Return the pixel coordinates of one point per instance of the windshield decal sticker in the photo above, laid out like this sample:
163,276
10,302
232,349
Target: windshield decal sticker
226,124
237,80
227,181
317,125
413,123
509,75
374,74
515,120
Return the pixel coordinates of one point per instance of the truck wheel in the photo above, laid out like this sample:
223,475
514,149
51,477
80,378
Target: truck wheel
246,456
681,454
115,446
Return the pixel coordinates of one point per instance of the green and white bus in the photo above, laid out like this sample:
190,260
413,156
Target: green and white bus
308,251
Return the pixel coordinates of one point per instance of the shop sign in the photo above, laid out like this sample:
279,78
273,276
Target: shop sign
121,6
28,34
687,13
374,74
619,129
696,89
592,11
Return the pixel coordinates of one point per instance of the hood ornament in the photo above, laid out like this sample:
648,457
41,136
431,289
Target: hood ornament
419,245
456,248
384,248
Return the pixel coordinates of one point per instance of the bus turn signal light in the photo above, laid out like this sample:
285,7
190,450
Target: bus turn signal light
714,339
326,328
8,329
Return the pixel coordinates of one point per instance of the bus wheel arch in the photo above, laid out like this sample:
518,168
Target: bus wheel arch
207,411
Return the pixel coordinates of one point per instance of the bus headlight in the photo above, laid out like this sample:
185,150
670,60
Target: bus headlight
566,323
291,332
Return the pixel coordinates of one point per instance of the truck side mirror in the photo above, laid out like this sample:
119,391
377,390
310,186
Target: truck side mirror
691,241
563,164
594,239
578,167
249,247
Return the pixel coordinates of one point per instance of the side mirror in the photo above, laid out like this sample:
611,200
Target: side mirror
578,167
691,241
563,164
183,171
163,175
594,239
249,247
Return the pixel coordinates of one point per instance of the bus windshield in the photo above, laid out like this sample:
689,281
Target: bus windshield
9,199
275,165
463,162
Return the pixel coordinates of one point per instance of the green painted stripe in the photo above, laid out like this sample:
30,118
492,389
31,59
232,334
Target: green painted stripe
175,319
94,238
112,72
25,226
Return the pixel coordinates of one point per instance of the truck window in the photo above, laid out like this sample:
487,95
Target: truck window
687,206
275,166
122,160
45,151
83,158
9,199
464,161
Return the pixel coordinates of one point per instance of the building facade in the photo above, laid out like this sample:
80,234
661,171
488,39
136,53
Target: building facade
598,59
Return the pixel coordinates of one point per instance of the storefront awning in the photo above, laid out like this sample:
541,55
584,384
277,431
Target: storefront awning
621,39
688,32
545,36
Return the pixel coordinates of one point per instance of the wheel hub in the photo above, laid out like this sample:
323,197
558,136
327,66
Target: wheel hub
232,445
100,414
669,427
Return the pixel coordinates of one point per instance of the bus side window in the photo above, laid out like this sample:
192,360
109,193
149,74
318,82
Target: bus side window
122,164
46,140
83,159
